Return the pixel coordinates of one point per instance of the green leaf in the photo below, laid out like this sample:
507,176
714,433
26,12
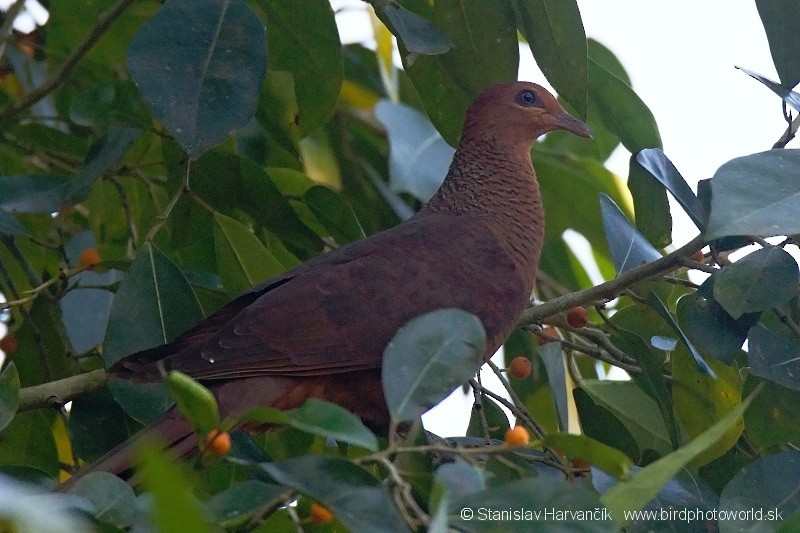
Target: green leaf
311,51
601,455
634,493
429,357
700,400
774,356
710,326
10,226
765,278
174,508
200,78
194,401
418,156
233,506
661,168
28,440
9,394
767,485
34,193
113,500
416,34
152,306
653,217
629,249
496,420
330,420
555,34
658,306
553,361
97,409
622,111
334,213
774,416
102,156
359,501
637,412
777,17
756,195
242,260
790,97
486,49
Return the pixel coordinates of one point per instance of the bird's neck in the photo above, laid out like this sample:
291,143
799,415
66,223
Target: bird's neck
494,181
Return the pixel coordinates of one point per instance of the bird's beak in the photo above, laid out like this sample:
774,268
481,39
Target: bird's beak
567,122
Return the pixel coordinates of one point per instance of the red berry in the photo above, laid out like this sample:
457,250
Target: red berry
577,317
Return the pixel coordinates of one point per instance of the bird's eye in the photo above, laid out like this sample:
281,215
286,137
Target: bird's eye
528,98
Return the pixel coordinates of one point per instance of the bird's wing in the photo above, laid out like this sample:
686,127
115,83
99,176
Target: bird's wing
337,313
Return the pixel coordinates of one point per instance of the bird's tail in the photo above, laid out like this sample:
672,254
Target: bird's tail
171,429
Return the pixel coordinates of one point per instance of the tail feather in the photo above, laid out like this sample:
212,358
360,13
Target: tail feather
171,428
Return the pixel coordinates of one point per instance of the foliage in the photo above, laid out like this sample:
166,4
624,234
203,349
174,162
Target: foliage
202,146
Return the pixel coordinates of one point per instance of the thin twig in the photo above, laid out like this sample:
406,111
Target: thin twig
57,393
613,287
103,23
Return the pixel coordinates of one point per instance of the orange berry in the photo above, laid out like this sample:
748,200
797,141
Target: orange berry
218,442
698,256
517,436
9,344
547,331
89,258
520,367
320,514
577,317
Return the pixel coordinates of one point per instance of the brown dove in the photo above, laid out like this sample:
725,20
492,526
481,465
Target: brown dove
320,329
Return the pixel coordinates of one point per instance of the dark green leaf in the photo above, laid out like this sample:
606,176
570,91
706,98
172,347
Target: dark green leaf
242,260
774,416
414,33
644,485
310,51
661,168
330,420
418,156
774,356
194,401
97,409
334,213
653,217
769,484
36,193
593,452
460,477
28,440
102,156
486,49
10,226
553,361
710,326
756,195
174,507
554,31
113,500
235,504
201,77
493,509
9,394
790,97
429,357
628,248
602,425
765,278
153,305
622,111
359,501
658,306
778,17
496,420
638,413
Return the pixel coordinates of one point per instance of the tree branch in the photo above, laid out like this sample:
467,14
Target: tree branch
103,23
57,393
611,288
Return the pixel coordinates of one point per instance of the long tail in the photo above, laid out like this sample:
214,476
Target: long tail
171,429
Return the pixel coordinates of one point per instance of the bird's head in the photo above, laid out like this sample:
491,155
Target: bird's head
519,112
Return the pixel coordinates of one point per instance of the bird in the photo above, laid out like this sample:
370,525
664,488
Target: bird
320,329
